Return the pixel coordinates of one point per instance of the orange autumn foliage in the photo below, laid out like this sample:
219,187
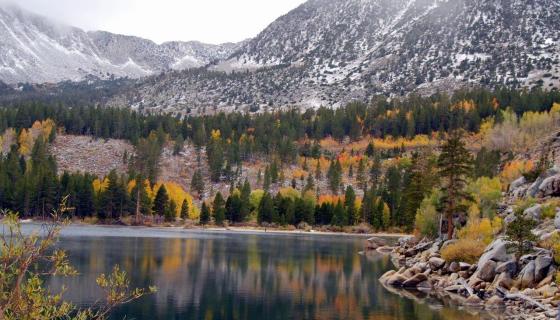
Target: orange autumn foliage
514,169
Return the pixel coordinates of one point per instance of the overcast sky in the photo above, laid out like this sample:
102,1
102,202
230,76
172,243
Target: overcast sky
211,21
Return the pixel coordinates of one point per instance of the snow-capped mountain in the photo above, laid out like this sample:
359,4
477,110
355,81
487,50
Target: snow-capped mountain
327,52
35,49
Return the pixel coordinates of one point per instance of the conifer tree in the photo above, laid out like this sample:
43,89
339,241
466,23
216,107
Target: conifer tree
170,211
197,183
335,176
245,201
218,208
339,215
266,209
361,175
160,201
204,214
455,165
184,210
350,205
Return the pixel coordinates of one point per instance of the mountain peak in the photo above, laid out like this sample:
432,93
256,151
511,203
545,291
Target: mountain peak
37,49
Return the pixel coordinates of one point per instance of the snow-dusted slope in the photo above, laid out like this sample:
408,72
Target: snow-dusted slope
35,49
328,52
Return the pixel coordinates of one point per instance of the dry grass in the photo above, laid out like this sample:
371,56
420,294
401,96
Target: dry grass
463,250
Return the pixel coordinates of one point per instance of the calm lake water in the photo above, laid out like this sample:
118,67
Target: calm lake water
201,275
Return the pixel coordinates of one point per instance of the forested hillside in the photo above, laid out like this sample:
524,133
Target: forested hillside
361,164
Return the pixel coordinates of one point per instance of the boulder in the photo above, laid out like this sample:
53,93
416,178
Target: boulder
396,280
550,186
504,280
509,266
527,276
436,263
415,280
496,251
473,300
385,250
374,243
426,285
464,266
533,212
387,275
517,183
454,267
495,302
534,188
487,271
557,220
542,263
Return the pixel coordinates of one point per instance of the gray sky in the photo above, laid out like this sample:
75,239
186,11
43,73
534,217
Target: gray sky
211,21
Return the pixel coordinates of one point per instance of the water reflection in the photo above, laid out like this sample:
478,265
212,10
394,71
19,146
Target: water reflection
246,277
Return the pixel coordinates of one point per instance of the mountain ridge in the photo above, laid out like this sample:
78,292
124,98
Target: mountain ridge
36,49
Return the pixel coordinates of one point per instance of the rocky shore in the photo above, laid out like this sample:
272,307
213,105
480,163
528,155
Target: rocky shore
524,289
508,288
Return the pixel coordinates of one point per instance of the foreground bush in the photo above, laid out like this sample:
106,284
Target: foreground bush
26,260
464,250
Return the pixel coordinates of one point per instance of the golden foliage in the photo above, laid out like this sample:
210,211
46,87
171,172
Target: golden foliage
100,185
178,195
463,251
299,173
329,198
25,141
514,169
473,239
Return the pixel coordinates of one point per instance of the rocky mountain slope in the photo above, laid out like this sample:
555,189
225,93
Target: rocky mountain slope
35,49
325,52
328,52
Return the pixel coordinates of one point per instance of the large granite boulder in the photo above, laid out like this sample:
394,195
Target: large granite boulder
415,280
550,186
510,267
542,264
527,276
487,271
496,251
436,263
517,183
533,212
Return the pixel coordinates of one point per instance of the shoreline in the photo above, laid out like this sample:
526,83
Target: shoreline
221,230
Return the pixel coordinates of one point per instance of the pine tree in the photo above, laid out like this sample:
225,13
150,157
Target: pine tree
204,214
418,184
310,183
335,176
184,210
350,206
375,172
245,201
267,179
370,150
318,173
455,166
266,209
339,216
170,211
197,183
218,207
361,175
160,201
519,234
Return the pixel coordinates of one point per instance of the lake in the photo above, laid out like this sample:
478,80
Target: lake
220,275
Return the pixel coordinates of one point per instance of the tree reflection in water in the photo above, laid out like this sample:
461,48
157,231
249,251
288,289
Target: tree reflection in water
233,276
